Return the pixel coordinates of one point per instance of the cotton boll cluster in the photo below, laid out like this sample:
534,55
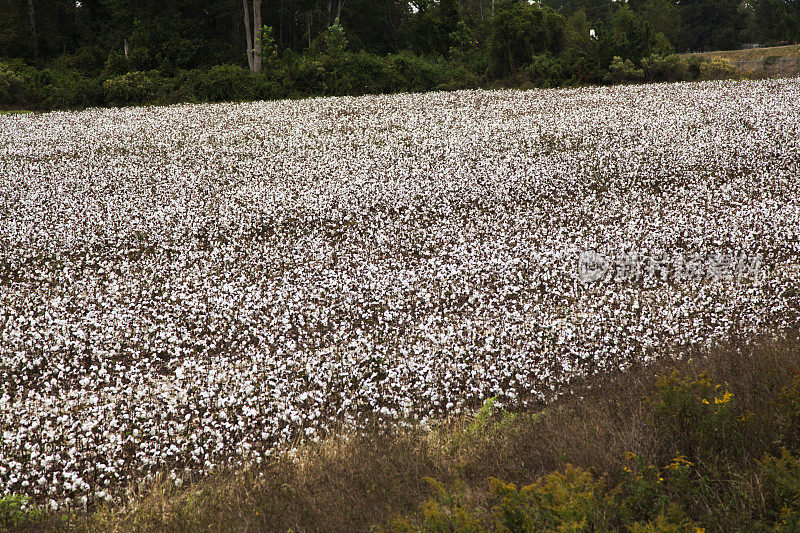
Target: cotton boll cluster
190,287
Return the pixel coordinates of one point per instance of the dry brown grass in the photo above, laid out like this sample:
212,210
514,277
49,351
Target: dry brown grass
778,61
365,482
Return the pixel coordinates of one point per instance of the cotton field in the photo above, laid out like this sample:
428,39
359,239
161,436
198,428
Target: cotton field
193,287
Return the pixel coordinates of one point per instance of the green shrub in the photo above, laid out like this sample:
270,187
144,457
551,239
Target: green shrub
572,500
769,61
309,76
17,512
621,71
788,412
661,46
11,86
269,49
642,490
356,73
666,68
700,419
219,83
133,88
331,42
546,70
115,64
359,73
518,31
19,85
139,59
88,60
465,49
59,89
266,87
490,420
782,480
718,68
415,73
694,63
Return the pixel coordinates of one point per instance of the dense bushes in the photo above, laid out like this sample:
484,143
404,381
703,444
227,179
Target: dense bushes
716,69
321,74
132,88
670,68
328,68
219,83
524,45
11,84
620,71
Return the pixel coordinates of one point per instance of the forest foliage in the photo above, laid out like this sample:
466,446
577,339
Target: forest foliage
66,54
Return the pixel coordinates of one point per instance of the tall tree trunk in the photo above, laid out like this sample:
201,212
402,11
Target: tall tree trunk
249,35
32,14
281,16
389,12
339,6
309,23
257,36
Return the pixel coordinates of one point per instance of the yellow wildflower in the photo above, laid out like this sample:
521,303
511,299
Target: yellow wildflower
678,462
725,398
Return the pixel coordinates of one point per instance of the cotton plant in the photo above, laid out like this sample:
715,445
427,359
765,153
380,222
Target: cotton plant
193,287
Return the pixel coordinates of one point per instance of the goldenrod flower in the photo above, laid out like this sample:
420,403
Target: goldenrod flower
725,398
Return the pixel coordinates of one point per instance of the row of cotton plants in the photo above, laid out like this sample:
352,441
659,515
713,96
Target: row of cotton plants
194,287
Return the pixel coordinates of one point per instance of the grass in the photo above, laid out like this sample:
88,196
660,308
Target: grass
14,112
775,61
710,442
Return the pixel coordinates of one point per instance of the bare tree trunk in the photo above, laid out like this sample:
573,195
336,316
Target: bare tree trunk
281,16
309,24
330,9
32,14
249,35
339,7
257,34
391,22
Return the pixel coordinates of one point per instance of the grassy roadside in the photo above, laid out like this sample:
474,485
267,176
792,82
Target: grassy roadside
709,443
776,61
13,112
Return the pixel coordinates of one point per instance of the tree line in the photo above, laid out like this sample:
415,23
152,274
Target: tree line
460,42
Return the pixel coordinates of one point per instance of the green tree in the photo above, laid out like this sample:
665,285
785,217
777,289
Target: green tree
663,16
519,30
710,24
776,20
